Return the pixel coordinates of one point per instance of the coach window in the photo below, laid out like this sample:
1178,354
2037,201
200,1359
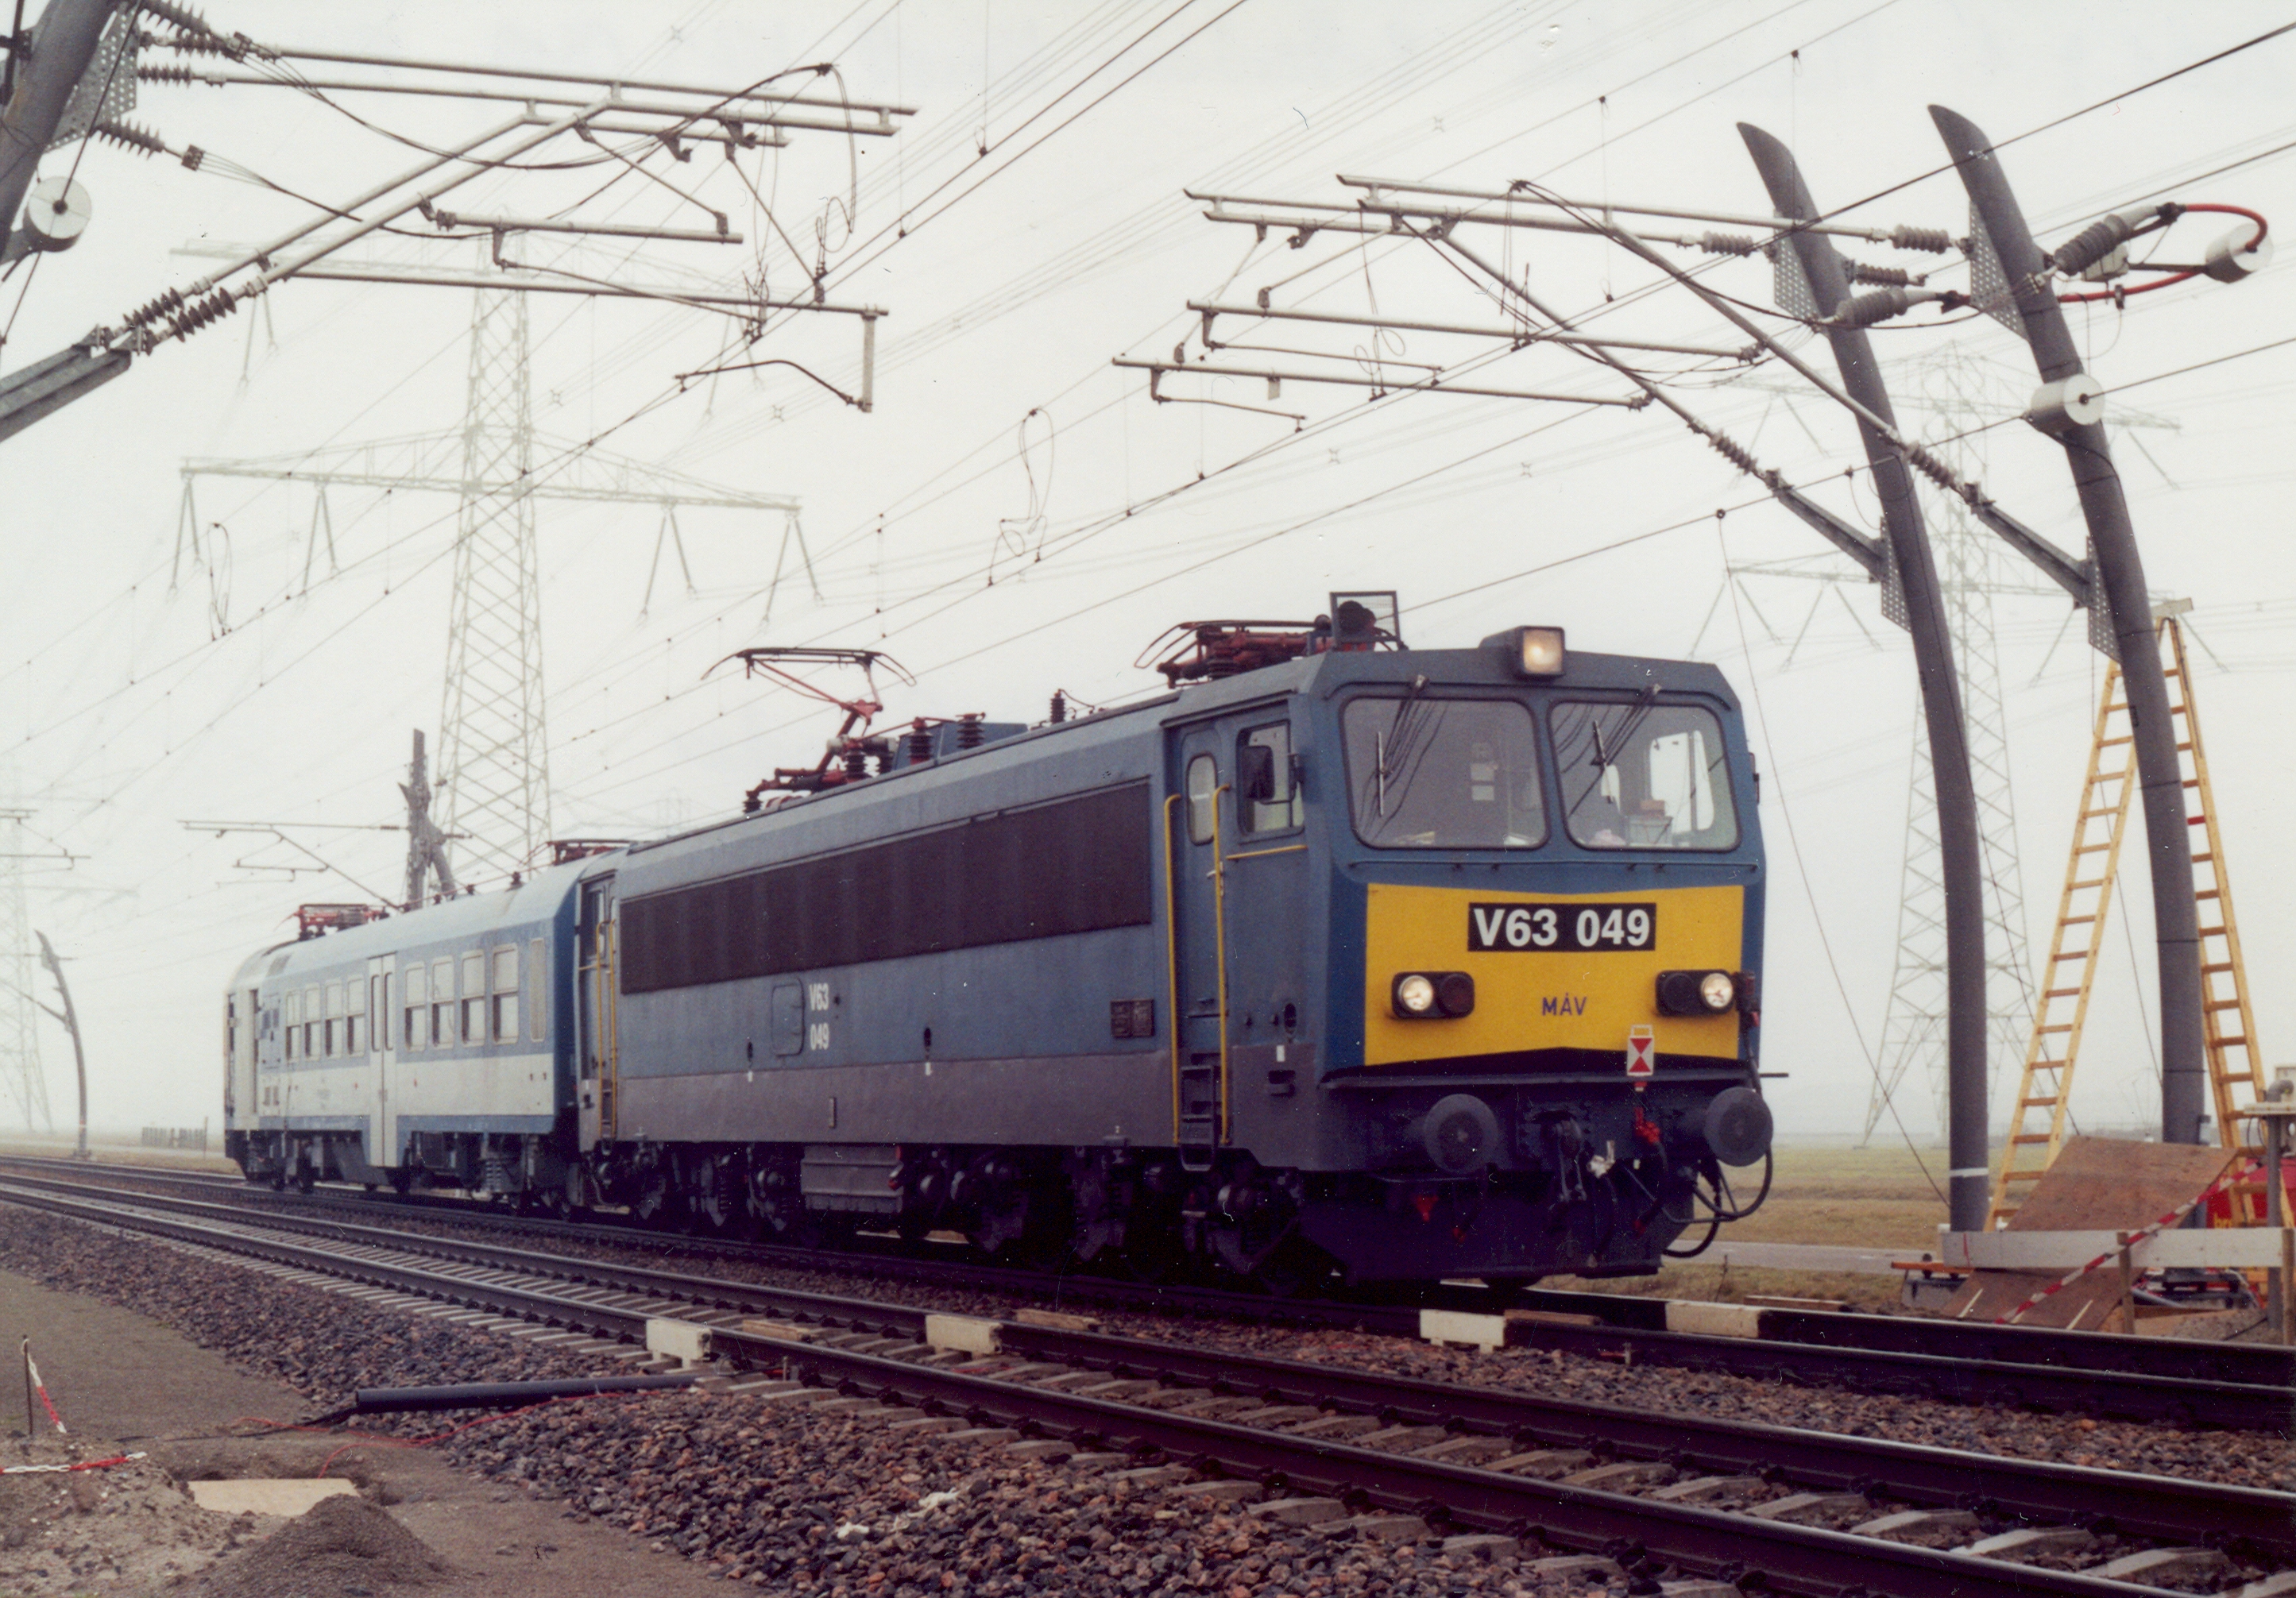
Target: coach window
504,959
1643,776
538,976
474,997
1203,798
1267,800
353,1016
314,1008
292,1009
417,993
442,1003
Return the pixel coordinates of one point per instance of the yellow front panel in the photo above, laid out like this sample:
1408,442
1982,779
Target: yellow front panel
1531,998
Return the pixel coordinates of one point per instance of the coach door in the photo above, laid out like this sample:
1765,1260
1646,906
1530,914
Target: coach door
1194,831
597,1049
382,1039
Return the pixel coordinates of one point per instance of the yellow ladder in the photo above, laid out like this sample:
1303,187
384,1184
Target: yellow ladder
2228,1020
2069,971
2060,1010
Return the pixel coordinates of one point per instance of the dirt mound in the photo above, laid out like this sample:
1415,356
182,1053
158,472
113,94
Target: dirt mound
344,1547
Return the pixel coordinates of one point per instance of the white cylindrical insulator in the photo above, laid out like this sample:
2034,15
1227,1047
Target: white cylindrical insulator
2069,402
2232,257
56,214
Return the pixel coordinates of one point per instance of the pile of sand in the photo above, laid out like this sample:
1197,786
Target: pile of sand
344,1547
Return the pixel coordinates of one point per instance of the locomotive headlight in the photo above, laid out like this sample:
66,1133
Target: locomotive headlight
1539,652
1431,995
1696,992
1414,995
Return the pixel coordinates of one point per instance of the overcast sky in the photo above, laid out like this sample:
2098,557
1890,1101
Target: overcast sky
1016,514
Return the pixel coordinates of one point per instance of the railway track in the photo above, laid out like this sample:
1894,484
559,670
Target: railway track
2234,1386
1802,1511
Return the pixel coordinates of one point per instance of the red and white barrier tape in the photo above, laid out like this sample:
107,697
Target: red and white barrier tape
84,1464
2239,1168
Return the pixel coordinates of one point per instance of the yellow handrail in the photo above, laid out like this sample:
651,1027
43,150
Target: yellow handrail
1289,849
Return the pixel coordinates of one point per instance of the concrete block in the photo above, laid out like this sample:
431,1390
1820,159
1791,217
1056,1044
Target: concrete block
1104,1459
1069,1381
843,1407
1218,1492
1462,1329
2272,1587
1055,1321
1402,1440
900,1412
968,1333
1053,1448
1123,1389
1152,1476
684,1341
1299,1512
982,1434
1713,1320
285,1496
1699,1586
1484,1545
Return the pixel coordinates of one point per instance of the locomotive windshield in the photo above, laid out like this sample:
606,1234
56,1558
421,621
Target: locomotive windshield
1426,772
1643,776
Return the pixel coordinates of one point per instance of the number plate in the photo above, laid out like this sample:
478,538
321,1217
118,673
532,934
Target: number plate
1562,929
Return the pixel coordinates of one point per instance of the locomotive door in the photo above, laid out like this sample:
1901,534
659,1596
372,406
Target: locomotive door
597,1047
382,1059
1198,783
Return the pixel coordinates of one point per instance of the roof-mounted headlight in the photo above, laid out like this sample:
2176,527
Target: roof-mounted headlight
1536,651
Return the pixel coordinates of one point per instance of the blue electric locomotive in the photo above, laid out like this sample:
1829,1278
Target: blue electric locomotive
1337,958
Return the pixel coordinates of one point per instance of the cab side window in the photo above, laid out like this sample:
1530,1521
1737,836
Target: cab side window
1266,799
1203,798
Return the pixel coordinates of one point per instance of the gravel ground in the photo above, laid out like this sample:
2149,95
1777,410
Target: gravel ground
771,1495
2245,1459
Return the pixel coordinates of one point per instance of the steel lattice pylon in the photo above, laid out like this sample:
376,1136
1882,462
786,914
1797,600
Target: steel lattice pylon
1954,388
493,759
22,1078
1912,1025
